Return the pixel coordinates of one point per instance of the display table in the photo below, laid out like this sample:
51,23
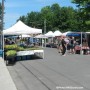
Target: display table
78,48
23,53
85,47
39,53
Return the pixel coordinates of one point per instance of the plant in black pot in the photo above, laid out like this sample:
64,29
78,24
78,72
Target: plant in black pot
10,56
10,47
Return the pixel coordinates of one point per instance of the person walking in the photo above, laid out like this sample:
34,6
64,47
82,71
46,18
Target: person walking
63,46
59,45
72,45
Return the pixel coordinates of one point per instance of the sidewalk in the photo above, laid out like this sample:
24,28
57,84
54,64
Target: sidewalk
6,82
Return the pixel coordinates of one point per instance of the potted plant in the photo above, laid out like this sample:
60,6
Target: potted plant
10,47
11,53
10,56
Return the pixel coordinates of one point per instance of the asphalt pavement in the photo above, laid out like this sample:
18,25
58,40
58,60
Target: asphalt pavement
54,72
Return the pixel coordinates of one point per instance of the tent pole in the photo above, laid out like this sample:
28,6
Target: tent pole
42,42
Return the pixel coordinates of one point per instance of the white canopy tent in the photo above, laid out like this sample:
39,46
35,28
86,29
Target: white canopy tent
57,33
41,36
24,36
21,28
50,34
87,32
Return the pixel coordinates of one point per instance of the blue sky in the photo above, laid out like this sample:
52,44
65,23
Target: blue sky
16,8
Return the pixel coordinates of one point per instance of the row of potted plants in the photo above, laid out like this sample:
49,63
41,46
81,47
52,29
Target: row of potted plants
11,50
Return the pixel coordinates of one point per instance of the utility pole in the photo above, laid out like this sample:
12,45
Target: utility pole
80,21
45,30
45,26
2,13
2,27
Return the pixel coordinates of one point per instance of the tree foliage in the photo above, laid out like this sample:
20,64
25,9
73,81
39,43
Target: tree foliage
61,18
84,13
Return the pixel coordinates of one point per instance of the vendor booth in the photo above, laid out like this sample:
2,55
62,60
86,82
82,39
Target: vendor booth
26,32
81,46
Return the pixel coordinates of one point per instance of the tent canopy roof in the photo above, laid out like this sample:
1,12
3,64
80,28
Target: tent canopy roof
41,36
21,28
57,33
49,34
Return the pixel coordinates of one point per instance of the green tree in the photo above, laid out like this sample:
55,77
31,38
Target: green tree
61,18
33,19
47,14
22,18
67,19
71,19
84,13
56,10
